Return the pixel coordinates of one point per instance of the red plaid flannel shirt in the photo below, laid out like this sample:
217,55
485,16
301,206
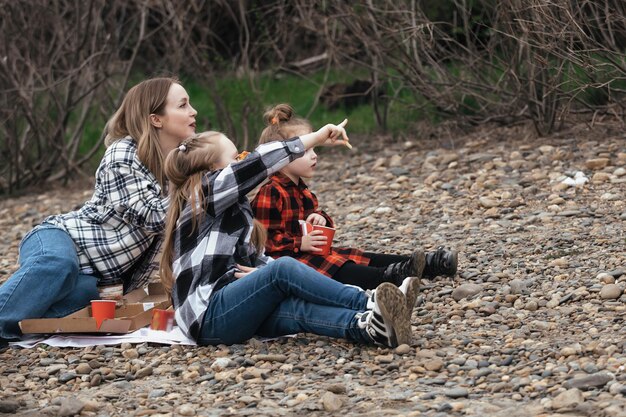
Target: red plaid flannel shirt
278,206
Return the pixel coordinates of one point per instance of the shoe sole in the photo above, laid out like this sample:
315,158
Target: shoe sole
413,289
454,258
392,304
419,262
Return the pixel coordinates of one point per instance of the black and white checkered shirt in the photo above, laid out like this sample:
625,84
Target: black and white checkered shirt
204,260
118,231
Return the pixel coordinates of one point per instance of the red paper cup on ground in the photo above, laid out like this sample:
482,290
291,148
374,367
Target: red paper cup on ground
329,232
102,310
162,320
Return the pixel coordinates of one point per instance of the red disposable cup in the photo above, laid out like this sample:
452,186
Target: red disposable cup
162,320
102,310
329,232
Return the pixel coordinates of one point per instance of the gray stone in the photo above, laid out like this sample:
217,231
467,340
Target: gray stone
331,401
144,372
66,377
518,286
466,291
70,407
83,369
156,393
337,388
9,406
568,399
270,357
610,292
589,381
458,392
403,349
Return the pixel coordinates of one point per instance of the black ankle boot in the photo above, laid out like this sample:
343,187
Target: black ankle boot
441,262
412,267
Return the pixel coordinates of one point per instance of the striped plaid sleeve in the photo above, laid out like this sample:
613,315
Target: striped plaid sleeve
134,196
268,207
239,178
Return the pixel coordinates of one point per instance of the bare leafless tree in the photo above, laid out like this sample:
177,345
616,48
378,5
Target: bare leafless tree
64,64
524,59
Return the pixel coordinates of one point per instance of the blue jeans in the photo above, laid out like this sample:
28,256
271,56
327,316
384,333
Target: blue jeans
48,282
284,297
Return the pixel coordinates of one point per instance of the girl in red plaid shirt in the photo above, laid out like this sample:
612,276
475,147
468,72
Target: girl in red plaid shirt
285,200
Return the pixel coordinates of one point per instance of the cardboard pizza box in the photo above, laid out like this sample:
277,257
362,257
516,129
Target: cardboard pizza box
135,313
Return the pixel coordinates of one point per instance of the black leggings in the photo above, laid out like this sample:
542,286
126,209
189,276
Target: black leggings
370,276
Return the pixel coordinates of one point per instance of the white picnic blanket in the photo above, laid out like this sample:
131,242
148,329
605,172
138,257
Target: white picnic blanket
145,334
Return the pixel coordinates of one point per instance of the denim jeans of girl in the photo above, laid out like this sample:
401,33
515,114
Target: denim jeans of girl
48,282
282,298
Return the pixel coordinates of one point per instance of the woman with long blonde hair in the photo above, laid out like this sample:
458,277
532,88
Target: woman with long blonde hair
113,238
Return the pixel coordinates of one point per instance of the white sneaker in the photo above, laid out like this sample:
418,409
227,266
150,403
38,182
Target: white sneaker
388,323
410,287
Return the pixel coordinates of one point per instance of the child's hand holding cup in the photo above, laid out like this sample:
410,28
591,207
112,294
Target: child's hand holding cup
316,239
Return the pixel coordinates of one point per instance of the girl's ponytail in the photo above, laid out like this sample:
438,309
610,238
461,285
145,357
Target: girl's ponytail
281,123
184,167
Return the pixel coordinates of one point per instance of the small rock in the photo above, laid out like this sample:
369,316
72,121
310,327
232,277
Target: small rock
9,406
130,354
600,177
95,380
605,278
466,291
487,202
571,350
610,197
337,388
531,305
70,407
619,172
186,410
458,392
157,393
597,163
91,405
403,349
144,372
568,400
331,402
83,369
220,364
617,388
589,381
518,287
384,358
434,364
66,377
610,292
270,357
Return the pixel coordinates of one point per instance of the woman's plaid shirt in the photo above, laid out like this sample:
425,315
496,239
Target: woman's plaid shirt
117,232
205,256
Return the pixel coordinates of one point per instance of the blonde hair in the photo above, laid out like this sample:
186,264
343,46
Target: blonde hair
184,167
281,123
133,119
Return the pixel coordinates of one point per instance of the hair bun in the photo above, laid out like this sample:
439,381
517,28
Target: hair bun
278,114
